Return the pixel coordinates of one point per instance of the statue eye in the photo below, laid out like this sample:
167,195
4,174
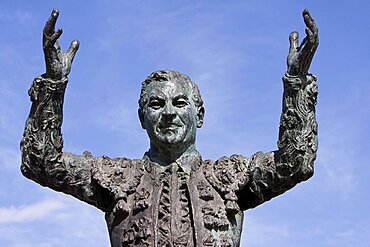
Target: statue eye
156,104
180,103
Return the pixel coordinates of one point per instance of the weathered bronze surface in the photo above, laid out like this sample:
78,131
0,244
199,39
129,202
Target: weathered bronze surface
171,197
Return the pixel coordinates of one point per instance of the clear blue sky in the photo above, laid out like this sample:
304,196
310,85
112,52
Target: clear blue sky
236,52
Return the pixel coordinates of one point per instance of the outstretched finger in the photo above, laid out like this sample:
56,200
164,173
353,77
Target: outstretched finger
309,21
293,40
310,35
49,41
55,36
71,52
50,23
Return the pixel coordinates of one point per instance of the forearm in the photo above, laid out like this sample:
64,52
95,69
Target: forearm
42,141
298,129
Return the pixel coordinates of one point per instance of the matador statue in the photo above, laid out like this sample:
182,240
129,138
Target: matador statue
171,197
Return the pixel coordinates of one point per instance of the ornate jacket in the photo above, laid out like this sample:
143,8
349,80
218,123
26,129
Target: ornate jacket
193,203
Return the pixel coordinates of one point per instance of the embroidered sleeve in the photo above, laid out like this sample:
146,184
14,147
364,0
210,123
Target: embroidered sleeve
273,173
248,182
42,158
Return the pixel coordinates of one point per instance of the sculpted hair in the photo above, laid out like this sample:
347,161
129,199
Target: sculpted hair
169,75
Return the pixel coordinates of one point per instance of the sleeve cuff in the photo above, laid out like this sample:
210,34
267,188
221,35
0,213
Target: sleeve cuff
50,85
298,82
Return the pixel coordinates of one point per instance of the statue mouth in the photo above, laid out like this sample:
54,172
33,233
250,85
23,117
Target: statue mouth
169,126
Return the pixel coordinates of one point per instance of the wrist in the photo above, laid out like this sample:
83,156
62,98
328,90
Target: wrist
302,87
297,82
48,86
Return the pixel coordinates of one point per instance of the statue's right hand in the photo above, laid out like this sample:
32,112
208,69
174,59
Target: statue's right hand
58,63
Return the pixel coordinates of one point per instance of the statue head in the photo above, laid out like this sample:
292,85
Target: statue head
170,109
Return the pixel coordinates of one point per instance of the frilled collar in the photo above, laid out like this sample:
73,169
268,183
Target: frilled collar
185,162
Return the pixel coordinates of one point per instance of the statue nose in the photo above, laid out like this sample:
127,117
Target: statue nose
169,112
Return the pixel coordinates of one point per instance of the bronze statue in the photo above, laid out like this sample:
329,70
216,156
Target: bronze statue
171,197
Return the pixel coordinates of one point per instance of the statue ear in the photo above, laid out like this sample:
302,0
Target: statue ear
141,117
200,116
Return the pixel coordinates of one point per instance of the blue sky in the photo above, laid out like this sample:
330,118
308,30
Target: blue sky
236,52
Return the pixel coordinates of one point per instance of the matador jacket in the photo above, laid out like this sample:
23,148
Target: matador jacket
191,202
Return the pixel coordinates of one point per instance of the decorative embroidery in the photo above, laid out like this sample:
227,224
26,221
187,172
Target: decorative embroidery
164,214
128,237
225,240
227,176
204,191
215,219
184,228
121,208
121,177
209,240
141,200
138,233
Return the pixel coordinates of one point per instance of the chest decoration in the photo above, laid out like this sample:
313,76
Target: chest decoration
141,200
128,181
215,219
204,191
121,177
227,176
138,233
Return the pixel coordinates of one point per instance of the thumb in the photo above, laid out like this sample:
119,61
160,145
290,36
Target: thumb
293,40
71,52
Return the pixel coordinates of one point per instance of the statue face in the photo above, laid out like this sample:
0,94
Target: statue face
170,115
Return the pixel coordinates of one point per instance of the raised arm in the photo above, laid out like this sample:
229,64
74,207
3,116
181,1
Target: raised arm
42,158
271,174
298,127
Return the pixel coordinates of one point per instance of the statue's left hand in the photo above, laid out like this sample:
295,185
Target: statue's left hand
300,56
